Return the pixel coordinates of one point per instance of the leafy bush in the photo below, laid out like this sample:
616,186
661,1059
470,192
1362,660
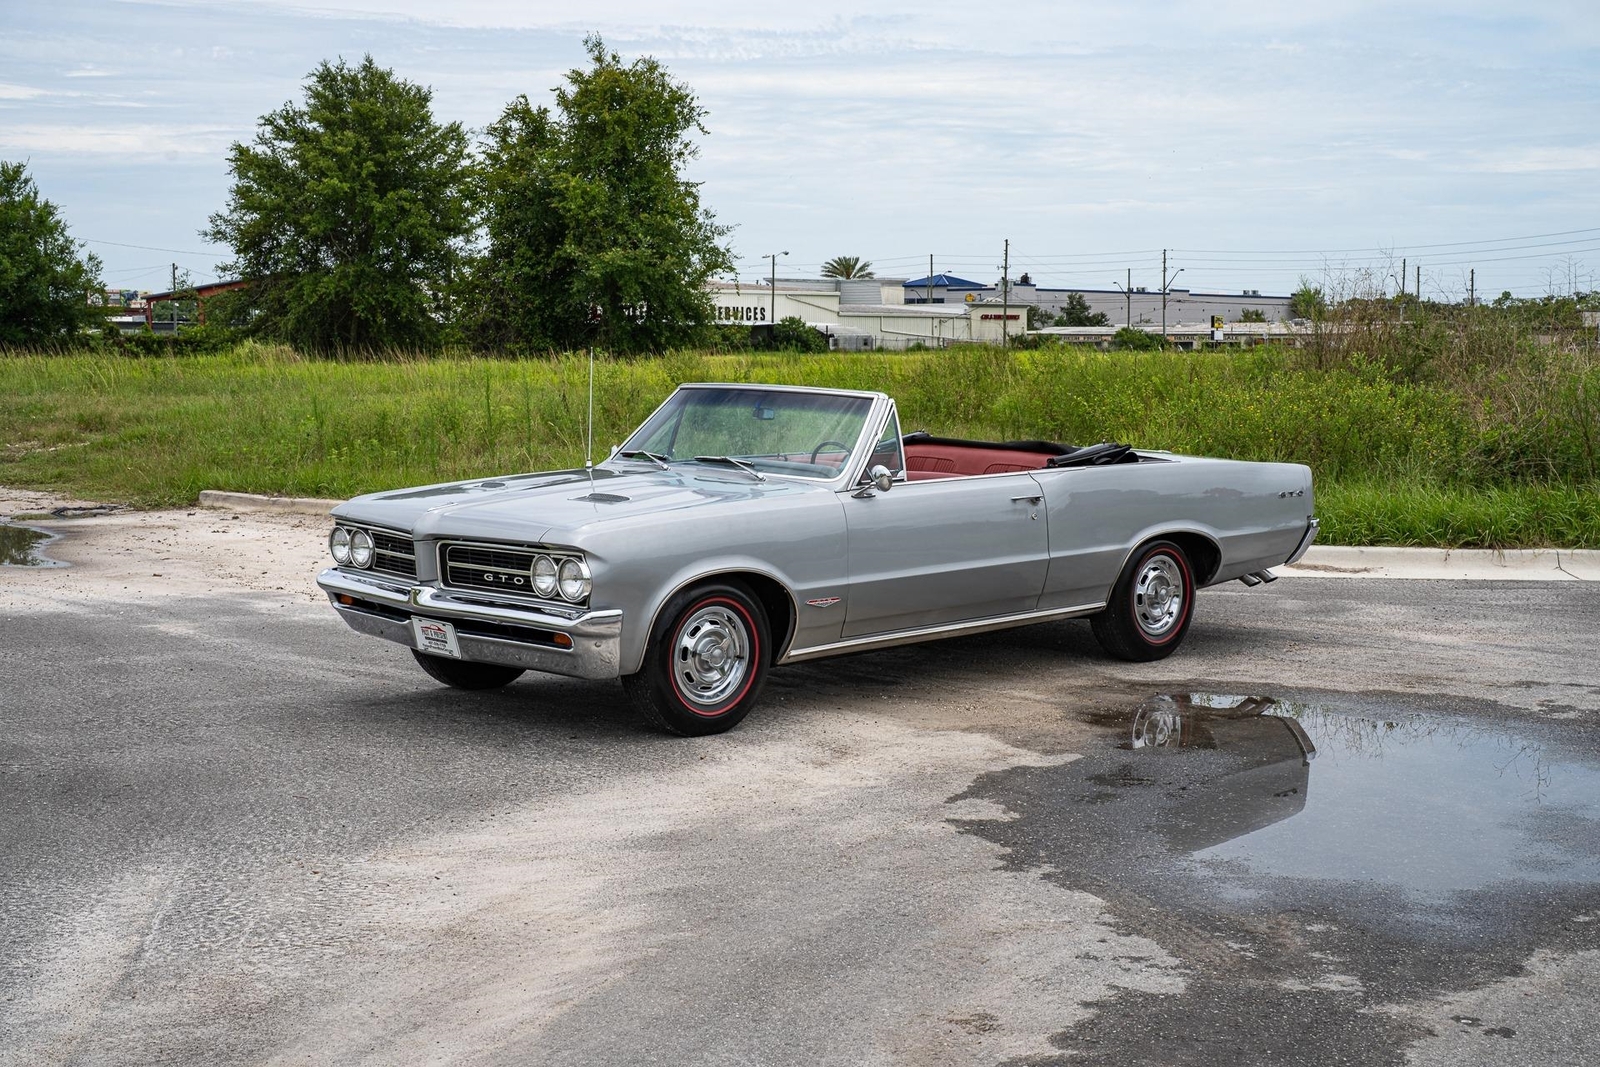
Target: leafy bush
791,334
1133,340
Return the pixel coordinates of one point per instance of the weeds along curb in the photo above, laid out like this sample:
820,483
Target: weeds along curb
286,505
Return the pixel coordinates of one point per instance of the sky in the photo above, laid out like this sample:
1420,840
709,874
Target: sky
1260,143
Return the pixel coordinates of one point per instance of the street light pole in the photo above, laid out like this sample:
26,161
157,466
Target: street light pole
1166,286
772,315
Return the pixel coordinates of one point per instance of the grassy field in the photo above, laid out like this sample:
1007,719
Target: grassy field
1489,456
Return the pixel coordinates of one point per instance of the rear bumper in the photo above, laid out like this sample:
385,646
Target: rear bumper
578,644
1305,542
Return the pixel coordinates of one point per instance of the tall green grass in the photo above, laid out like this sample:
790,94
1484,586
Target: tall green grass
1399,458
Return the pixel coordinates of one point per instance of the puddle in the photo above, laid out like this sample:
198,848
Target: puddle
23,546
1425,805
1308,858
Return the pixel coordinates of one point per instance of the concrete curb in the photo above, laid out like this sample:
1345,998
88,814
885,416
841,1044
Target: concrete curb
1323,561
1450,564
289,505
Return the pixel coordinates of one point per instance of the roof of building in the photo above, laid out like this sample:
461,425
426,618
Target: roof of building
947,281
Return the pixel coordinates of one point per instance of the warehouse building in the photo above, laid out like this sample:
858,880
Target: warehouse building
1135,308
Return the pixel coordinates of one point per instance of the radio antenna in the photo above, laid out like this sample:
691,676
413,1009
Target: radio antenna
588,449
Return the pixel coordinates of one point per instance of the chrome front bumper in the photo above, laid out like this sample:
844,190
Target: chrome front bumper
486,631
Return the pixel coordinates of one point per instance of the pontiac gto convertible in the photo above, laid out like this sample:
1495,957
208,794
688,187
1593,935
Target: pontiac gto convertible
744,527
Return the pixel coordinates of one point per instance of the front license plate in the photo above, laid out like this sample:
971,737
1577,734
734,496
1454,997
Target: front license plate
436,638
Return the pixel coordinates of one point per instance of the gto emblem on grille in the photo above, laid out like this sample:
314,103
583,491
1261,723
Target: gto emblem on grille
492,578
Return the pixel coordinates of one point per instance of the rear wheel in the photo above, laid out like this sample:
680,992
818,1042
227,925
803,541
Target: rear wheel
706,661
463,674
1151,605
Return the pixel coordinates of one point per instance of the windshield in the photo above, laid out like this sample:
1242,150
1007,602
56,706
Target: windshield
809,435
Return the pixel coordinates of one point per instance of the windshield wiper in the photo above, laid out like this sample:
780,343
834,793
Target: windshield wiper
730,461
639,453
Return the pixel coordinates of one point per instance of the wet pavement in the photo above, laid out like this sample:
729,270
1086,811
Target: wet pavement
1310,858
23,546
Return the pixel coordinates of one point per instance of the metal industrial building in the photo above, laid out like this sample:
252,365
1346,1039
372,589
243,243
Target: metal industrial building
895,313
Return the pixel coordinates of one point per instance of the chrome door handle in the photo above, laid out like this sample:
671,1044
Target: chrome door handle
1032,498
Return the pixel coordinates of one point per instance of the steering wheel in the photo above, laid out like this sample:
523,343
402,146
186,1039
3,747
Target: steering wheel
816,451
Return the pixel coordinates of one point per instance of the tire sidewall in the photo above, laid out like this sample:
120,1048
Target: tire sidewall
680,713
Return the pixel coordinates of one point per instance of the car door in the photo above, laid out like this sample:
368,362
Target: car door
945,550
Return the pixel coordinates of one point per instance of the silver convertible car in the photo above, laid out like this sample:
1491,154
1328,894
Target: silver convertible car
745,527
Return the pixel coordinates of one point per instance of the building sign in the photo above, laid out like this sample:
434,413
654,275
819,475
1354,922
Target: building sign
1009,318
748,313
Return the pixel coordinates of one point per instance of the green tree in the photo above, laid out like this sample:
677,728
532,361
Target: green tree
1075,312
46,283
1308,301
593,233
791,334
847,268
348,214
1252,315
1136,340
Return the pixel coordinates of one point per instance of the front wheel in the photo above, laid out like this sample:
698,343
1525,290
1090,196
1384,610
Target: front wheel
464,674
706,661
1151,605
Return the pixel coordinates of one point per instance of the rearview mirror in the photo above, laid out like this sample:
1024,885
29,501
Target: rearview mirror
880,477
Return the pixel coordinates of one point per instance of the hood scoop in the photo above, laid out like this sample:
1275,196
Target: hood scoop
604,498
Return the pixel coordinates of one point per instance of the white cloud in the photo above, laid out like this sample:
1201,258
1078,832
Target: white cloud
128,142
19,92
1543,160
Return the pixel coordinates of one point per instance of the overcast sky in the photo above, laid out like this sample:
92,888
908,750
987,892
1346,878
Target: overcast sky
1260,144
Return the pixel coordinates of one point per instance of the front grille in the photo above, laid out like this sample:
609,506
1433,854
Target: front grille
393,554
506,570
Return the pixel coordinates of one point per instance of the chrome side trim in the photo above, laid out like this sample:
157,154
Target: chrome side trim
1305,542
931,633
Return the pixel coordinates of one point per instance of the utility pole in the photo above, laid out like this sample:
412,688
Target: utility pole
772,315
1402,276
930,278
1005,297
174,300
1166,286
1127,292
1472,287
1419,281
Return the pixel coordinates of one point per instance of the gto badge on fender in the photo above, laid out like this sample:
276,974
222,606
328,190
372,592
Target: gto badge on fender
823,602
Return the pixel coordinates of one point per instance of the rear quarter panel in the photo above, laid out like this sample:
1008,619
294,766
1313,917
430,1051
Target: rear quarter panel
1099,515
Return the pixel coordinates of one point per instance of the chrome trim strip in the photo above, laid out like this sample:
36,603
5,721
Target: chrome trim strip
425,600
928,633
1305,542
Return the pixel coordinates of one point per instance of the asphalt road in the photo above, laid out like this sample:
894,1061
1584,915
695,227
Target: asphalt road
235,832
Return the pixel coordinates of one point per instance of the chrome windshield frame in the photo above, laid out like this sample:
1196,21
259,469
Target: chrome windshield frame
860,449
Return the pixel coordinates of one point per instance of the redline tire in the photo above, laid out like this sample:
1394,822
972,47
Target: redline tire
1151,605
464,674
706,661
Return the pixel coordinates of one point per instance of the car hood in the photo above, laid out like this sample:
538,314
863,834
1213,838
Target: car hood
551,505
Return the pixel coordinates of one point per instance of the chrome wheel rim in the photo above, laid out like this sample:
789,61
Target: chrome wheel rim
711,655
1158,595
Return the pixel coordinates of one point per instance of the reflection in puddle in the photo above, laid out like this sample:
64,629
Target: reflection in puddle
21,546
1425,805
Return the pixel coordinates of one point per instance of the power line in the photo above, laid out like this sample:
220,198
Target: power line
147,248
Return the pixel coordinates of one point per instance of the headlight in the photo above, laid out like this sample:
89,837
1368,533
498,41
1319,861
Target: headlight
361,548
574,580
339,545
544,576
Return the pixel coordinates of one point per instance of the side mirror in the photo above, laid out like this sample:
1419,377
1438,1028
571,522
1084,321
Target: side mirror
876,477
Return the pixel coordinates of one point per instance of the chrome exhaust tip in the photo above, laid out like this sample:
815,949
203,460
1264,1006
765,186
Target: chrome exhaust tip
1266,576
1250,580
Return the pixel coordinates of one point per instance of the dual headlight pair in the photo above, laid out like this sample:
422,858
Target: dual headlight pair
569,578
352,547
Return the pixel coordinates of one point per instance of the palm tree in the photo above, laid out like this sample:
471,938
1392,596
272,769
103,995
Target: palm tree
847,267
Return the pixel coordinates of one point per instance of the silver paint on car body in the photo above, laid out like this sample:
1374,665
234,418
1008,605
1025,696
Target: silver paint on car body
922,560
